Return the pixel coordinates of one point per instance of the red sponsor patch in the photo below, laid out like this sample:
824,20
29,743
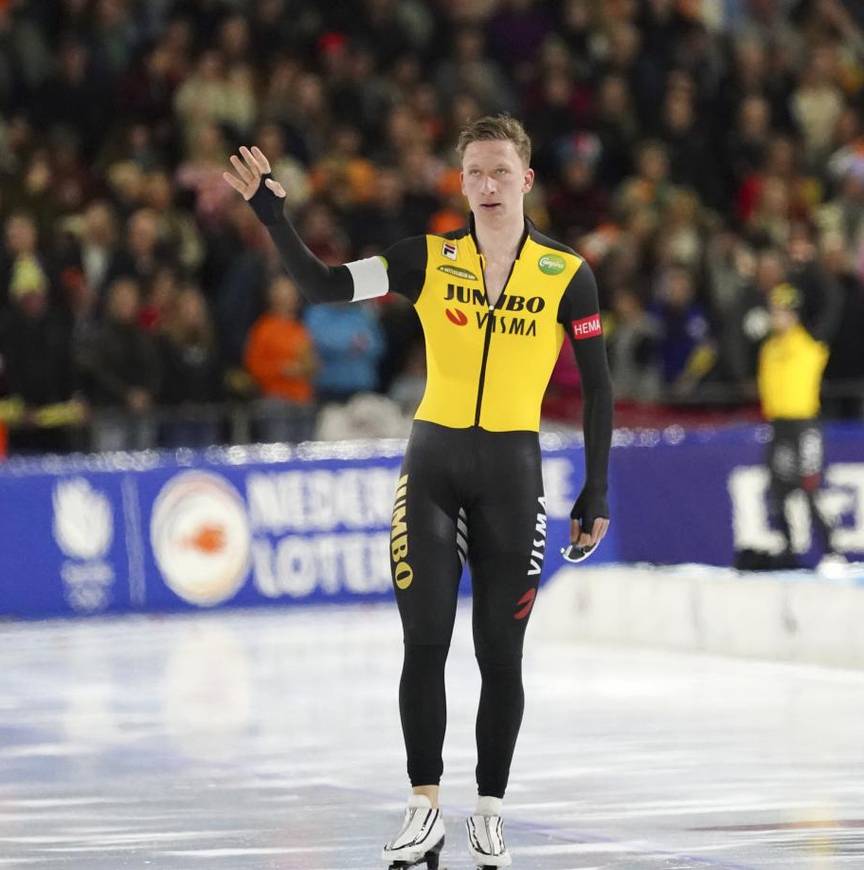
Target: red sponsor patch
587,327
456,316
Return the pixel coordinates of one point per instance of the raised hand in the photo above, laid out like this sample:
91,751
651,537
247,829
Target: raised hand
249,171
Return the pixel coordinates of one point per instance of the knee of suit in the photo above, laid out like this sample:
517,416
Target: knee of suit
426,634
498,662
429,656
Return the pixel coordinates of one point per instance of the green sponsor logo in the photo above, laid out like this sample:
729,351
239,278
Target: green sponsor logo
551,264
461,273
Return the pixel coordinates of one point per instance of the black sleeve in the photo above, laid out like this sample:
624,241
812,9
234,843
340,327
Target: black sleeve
315,280
406,266
579,313
406,260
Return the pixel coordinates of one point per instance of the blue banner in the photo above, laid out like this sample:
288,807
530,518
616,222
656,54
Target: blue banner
234,526
699,496
310,524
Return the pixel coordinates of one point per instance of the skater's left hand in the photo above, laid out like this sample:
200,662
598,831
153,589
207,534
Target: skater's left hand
584,539
588,527
582,544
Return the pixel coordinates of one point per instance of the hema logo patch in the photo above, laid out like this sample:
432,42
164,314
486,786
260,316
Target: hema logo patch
587,327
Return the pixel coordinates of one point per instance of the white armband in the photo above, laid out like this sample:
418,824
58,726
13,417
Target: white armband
370,278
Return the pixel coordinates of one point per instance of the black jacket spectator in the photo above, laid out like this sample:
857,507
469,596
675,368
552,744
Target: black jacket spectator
122,369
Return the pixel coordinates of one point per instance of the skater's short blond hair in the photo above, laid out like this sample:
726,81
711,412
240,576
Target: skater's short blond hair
503,128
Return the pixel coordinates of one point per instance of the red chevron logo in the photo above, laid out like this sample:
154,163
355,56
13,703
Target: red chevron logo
528,600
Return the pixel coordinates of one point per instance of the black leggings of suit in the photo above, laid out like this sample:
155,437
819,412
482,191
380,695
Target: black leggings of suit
794,461
466,491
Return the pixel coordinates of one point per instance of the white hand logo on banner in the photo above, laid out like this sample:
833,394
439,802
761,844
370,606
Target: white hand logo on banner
83,520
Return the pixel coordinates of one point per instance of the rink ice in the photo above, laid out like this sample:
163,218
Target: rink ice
270,739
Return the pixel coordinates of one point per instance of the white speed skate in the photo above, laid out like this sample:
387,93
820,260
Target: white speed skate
420,839
486,835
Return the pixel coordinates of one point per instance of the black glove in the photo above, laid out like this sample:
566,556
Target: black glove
267,206
588,507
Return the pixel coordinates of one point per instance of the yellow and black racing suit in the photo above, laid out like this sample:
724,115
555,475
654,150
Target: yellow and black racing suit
471,485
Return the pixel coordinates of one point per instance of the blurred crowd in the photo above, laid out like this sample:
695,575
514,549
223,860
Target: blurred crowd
697,154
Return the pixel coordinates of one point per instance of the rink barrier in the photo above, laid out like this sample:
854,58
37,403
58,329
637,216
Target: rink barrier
310,524
799,616
238,526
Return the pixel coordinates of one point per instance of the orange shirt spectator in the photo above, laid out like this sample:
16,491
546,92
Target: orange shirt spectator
279,351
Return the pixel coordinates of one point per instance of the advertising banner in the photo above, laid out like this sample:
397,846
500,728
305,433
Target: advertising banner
263,525
699,496
234,526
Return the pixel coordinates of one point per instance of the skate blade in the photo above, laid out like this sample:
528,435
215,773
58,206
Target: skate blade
489,866
430,860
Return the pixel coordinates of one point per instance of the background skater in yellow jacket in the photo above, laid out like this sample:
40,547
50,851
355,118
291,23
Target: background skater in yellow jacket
789,377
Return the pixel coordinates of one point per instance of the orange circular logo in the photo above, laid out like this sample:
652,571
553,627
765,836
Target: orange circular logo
201,537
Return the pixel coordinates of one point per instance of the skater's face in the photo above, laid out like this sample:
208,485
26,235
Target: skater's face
495,180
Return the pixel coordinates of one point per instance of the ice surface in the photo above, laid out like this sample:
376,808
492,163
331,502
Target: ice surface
235,740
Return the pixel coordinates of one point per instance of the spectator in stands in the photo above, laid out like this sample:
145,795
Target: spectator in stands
21,242
821,301
422,175
197,175
747,139
146,92
818,102
144,252
203,97
771,221
843,214
176,228
633,340
279,351
122,374
617,127
385,217
349,342
97,245
81,302
191,373
747,322
685,345
579,203
649,190
281,358
691,158
470,70
126,186
160,300
762,140
846,363
684,231
74,95
781,162
344,175
35,350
